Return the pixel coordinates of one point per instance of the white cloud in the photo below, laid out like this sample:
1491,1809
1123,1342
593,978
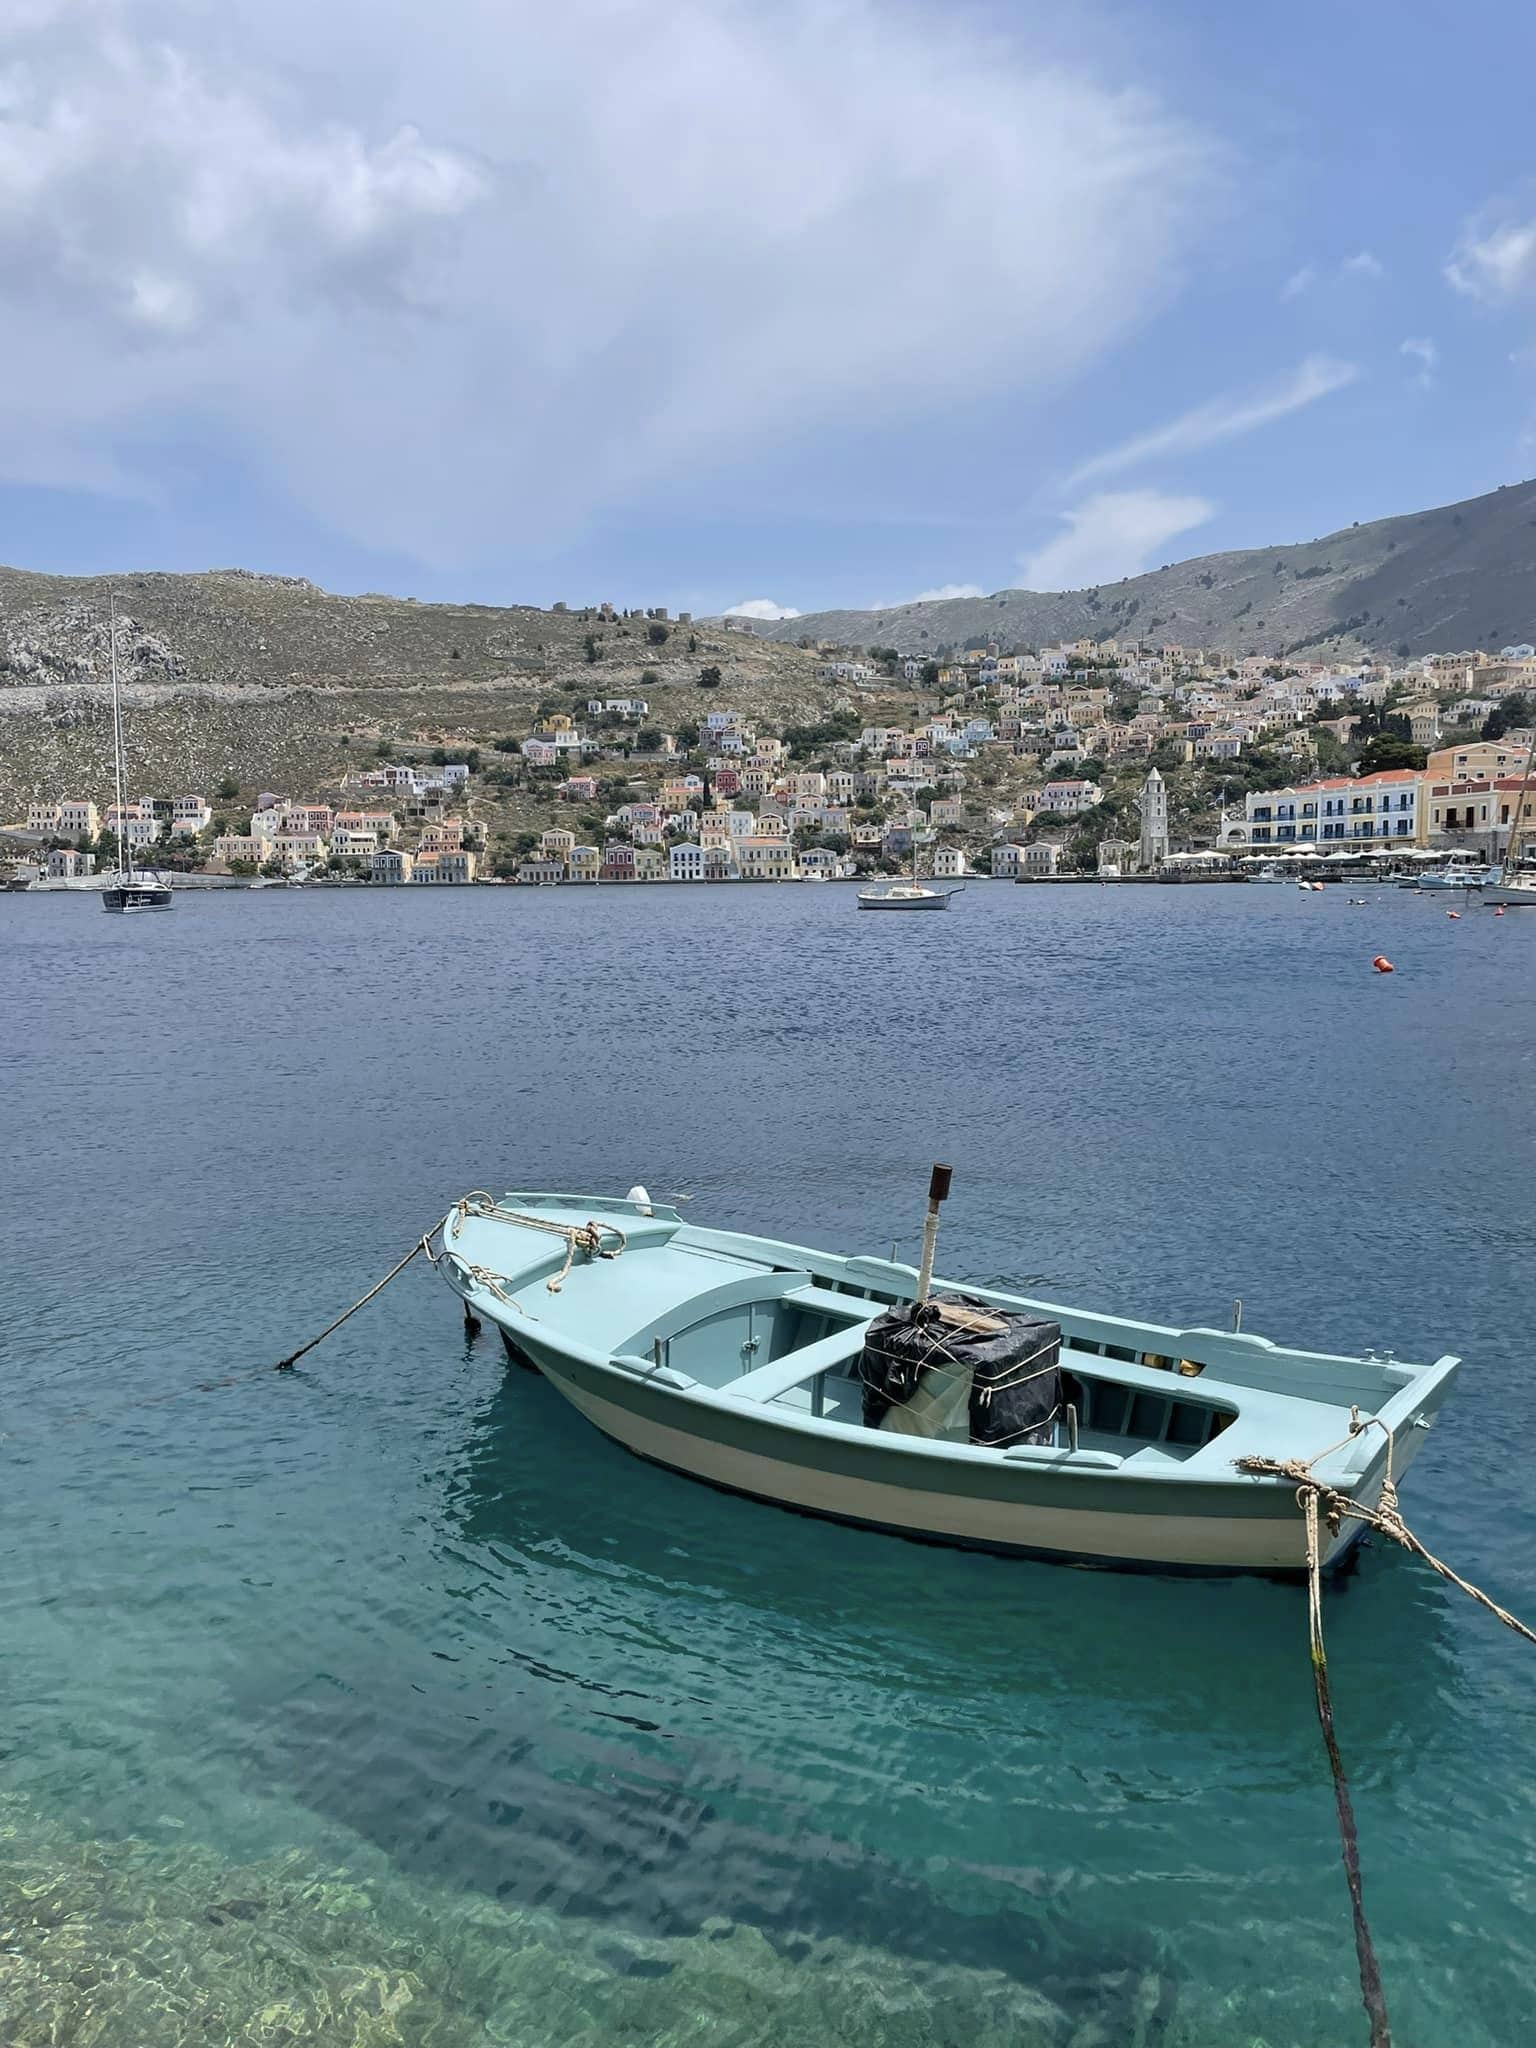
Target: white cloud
485,270
938,596
760,608
1362,264
1113,534
1495,261
1223,419
1421,350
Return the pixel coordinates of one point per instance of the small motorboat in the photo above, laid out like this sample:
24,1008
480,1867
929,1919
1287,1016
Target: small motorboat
763,1368
1453,878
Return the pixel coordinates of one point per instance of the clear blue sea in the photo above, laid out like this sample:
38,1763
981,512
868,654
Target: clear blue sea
386,1703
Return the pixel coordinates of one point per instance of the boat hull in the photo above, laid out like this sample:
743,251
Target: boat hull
127,899
935,902
736,1361
869,1481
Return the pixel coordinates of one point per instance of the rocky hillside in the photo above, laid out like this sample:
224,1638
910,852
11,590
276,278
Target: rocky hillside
1426,582
272,681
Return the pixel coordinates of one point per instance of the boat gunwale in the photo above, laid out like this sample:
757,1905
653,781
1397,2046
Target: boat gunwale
1350,1462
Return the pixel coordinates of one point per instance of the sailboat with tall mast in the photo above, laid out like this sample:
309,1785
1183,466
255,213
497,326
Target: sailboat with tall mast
127,890
1512,885
907,894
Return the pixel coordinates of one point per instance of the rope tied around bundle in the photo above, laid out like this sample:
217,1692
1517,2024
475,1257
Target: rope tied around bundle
1318,1501
587,1238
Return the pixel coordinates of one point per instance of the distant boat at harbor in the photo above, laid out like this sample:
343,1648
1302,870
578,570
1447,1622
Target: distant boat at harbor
127,889
905,896
908,893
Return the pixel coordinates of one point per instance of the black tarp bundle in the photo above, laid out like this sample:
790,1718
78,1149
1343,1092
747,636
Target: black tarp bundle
1012,1362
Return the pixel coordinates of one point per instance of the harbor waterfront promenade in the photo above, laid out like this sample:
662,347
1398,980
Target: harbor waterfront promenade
1094,758
387,1701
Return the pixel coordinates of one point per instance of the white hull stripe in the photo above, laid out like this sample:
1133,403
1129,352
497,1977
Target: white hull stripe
1212,1542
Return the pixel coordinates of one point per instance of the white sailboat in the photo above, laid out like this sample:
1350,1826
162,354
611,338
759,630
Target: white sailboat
127,890
1511,886
907,894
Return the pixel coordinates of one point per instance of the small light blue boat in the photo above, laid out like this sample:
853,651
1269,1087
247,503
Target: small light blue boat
737,1360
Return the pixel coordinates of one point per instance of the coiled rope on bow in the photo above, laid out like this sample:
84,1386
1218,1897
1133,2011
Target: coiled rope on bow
585,1237
593,1240
1316,1498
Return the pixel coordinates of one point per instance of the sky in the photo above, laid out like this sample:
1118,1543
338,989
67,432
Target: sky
783,306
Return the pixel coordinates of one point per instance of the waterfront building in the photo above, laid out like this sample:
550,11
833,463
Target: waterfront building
132,826
542,868
189,816
1479,812
949,863
65,864
78,819
1385,809
1040,857
390,864
585,863
1477,760
300,849
350,845
685,862
1007,861
557,843
764,859
243,846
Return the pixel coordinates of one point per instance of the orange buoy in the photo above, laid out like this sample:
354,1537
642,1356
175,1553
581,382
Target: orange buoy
1498,910
1383,965
1453,913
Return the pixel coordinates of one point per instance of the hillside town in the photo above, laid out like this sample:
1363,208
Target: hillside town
1082,759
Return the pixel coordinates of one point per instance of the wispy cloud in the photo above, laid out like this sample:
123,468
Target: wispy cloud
1224,419
1495,260
938,596
1363,264
1112,534
761,608
1421,350
196,234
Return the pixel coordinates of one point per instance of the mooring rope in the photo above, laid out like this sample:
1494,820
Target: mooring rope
594,1240
1313,1495
422,1244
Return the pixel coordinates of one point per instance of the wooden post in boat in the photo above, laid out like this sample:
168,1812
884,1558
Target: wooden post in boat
938,1192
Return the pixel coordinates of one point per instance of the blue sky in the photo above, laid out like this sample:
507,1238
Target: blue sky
811,303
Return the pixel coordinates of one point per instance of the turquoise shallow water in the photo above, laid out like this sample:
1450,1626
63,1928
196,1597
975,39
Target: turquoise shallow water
387,1703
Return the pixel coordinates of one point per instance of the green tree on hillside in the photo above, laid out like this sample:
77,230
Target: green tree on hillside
1514,711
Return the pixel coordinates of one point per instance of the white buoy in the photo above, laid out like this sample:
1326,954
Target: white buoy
640,1198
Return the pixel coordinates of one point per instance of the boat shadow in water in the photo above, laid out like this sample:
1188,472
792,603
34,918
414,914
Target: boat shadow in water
1226,1655
595,1744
